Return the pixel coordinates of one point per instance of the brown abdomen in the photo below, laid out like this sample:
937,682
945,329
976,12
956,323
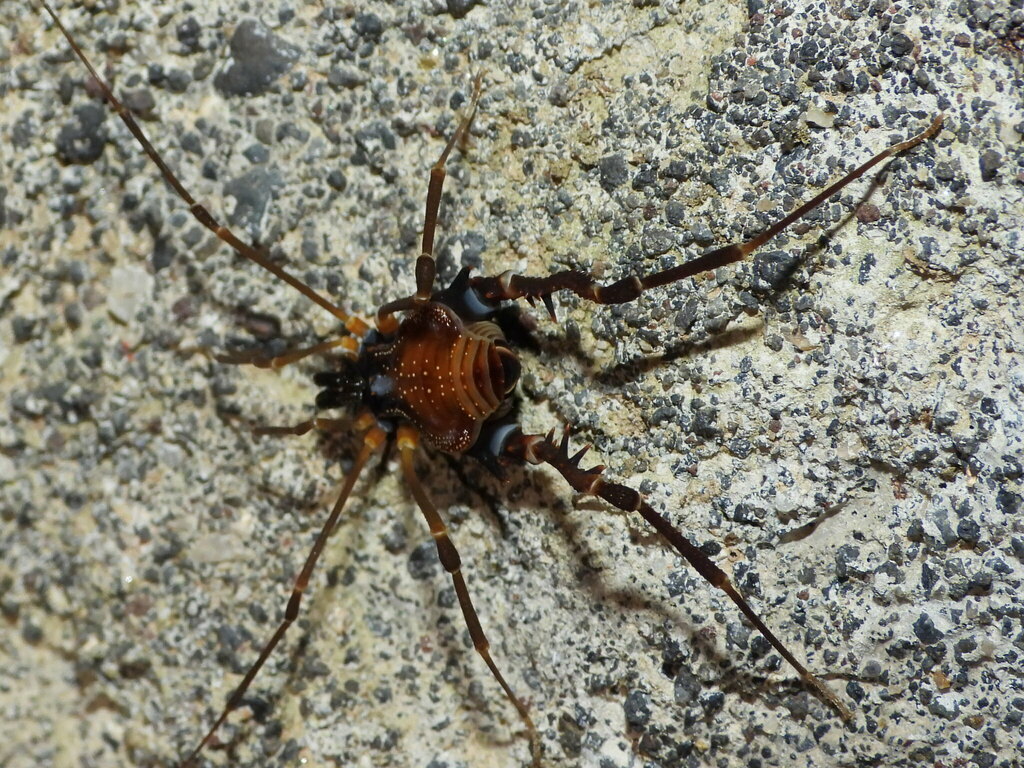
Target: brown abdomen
447,379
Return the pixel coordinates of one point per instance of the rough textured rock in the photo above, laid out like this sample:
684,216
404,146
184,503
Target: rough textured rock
839,424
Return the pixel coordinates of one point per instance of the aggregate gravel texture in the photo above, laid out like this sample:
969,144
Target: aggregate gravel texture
838,421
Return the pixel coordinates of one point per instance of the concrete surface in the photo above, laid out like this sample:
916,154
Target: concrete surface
849,434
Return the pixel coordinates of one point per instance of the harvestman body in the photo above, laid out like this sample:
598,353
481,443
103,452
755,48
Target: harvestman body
437,366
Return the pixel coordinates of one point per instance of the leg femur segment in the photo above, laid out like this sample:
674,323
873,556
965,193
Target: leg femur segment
373,439
542,449
407,442
512,286
353,324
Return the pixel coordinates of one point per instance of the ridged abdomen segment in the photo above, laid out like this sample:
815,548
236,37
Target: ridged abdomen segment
470,368
448,379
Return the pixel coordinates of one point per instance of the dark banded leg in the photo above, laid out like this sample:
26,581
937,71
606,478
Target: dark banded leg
354,324
511,286
373,438
407,441
542,449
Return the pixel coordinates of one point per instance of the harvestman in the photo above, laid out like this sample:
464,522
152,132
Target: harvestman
445,372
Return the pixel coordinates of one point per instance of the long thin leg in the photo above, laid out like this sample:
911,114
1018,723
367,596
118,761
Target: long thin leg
425,266
542,449
324,425
373,439
407,442
354,324
348,343
512,286
425,263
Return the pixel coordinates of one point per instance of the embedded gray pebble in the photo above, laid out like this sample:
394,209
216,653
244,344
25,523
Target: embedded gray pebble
252,191
258,58
82,137
837,421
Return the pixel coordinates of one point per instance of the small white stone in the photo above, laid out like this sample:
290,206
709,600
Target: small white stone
129,288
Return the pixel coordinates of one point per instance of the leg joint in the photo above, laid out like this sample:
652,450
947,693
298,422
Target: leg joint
447,553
